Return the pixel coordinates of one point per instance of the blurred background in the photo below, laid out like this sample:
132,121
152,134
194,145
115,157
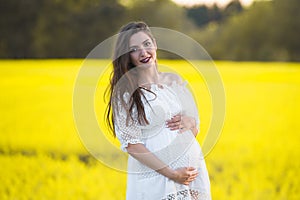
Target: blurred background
229,30
254,44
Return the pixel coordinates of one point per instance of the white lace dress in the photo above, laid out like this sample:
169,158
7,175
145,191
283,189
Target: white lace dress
173,148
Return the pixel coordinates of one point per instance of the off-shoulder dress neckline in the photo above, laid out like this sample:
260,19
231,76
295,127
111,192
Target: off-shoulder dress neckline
161,86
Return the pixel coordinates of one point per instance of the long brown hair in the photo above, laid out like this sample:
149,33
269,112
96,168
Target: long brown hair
121,66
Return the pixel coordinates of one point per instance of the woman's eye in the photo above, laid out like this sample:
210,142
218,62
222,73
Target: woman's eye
147,44
133,50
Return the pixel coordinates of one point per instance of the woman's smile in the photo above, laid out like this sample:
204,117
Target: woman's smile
145,60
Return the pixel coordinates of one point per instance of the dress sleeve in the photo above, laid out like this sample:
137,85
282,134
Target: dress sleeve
187,101
130,132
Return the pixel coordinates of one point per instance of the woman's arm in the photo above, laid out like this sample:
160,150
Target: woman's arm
188,119
142,154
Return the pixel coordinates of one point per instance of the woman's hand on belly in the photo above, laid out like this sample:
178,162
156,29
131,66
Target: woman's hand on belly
182,123
185,175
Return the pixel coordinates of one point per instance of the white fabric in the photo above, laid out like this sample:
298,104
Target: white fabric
173,148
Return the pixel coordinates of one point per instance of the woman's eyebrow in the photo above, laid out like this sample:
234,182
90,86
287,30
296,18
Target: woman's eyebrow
146,41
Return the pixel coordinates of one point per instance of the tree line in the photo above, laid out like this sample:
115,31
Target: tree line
266,31
72,28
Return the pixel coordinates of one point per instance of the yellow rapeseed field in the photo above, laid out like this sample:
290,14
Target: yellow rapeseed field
42,156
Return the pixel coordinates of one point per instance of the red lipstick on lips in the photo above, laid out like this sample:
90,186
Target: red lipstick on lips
145,60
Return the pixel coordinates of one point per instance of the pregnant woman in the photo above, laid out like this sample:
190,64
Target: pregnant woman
155,118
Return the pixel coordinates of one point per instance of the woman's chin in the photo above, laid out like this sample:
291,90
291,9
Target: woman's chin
146,65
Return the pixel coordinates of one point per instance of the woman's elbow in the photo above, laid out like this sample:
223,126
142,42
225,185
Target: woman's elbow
133,148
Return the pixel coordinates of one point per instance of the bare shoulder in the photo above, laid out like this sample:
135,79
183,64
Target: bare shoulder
168,78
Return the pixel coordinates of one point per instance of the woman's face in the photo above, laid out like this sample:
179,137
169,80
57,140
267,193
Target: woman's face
142,50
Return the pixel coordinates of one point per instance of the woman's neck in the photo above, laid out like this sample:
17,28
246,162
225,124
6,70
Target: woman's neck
148,76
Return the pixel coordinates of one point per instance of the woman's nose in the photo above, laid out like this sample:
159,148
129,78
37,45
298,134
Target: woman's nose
143,51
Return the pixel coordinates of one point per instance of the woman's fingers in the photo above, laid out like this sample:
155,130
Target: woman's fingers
174,123
190,179
181,122
186,175
177,117
192,174
193,177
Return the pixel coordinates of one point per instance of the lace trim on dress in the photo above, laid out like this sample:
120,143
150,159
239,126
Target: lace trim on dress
188,194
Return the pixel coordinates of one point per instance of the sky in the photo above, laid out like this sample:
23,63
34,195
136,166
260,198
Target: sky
220,3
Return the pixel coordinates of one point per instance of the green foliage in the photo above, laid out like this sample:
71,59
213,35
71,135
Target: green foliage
234,7
286,25
158,13
200,15
266,31
203,15
72,28
17,20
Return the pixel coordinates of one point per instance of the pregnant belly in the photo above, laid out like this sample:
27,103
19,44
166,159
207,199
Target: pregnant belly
159,139
175,149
